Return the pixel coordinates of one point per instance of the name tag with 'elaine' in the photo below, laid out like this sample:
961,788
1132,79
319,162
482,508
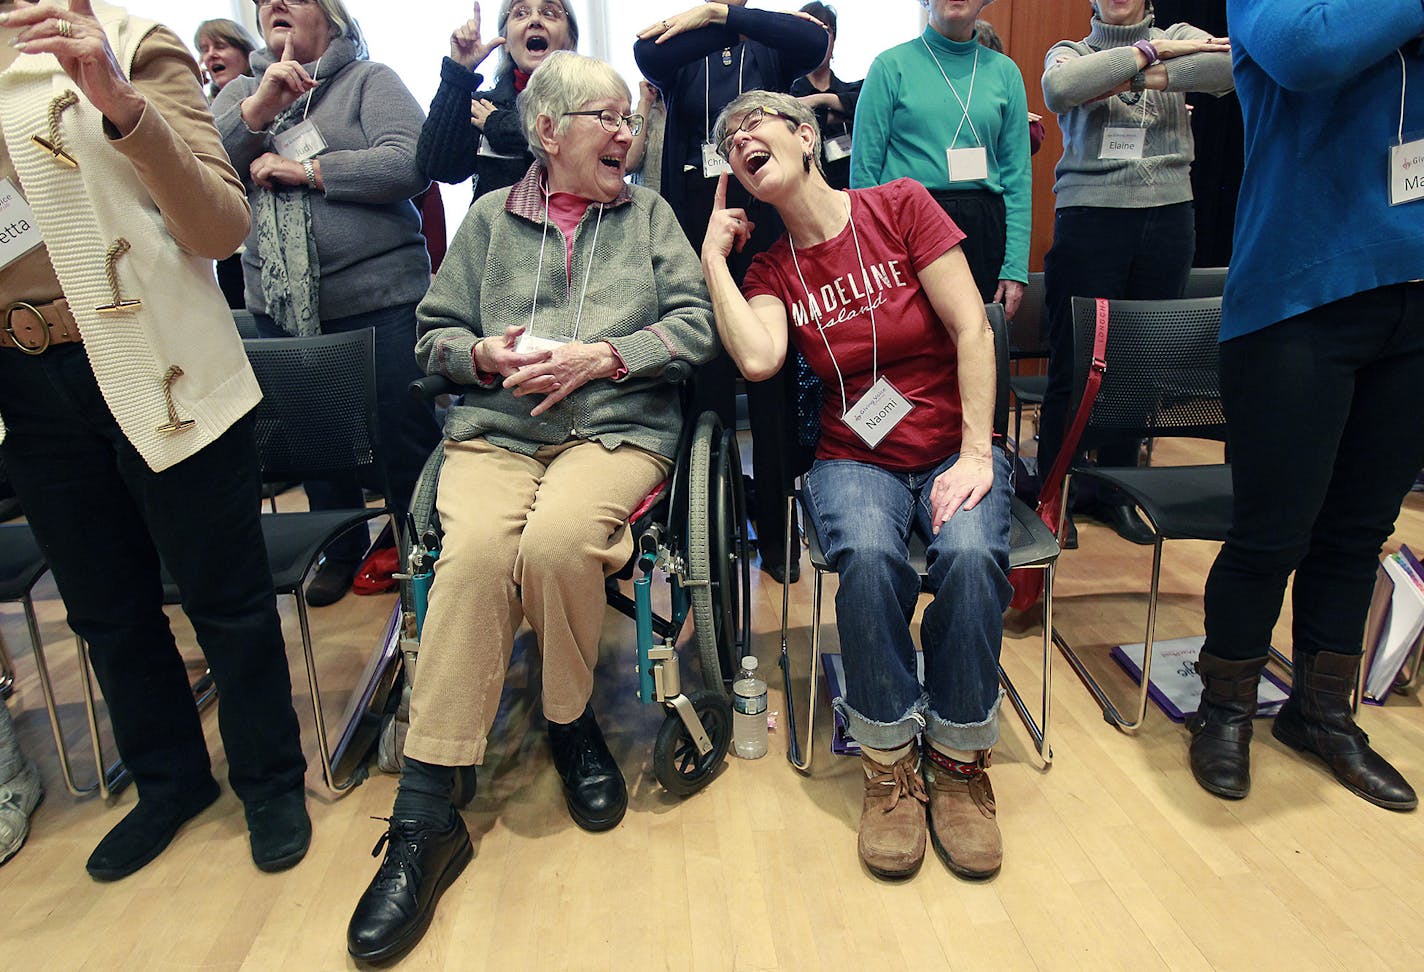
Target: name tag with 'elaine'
878,411
19,230
1406,172
1123,143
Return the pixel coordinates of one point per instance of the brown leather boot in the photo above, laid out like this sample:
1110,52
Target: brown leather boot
892,820
1221,728
963,823
1317,719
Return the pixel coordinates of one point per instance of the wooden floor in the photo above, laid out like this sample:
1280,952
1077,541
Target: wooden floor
1114,858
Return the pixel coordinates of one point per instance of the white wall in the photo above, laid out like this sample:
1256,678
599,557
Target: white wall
413,35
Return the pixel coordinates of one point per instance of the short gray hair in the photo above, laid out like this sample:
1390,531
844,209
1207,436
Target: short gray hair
565,82
796,114
343,24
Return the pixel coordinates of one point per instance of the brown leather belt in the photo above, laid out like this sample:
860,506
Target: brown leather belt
35,328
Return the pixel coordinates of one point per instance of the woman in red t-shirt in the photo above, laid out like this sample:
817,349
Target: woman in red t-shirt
873,288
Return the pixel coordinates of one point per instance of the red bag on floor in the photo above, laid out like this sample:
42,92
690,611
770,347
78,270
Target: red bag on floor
1028,582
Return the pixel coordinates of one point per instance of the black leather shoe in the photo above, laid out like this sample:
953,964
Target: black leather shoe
397,906
1317,719
779,573
331,581
1221,729
144,832
1126,522
593,785
279,830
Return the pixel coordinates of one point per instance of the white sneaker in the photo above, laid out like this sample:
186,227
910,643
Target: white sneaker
18,799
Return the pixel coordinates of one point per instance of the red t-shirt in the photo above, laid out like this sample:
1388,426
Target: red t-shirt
901,230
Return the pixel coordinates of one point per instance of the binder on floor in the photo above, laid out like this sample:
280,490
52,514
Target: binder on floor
1176,687
1395,624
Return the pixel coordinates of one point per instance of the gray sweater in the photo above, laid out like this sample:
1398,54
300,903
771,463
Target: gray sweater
646,298
367,231
1076,72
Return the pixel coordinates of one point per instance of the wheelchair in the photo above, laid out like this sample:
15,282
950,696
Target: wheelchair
692,529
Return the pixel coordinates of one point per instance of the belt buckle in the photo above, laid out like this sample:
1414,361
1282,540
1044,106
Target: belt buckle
10,327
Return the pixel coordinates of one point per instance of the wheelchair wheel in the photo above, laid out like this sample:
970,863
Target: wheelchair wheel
676,763
718,568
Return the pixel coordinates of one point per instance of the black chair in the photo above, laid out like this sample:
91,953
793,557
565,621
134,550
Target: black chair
1028,341
1205,282
246,325
1160,381
1031,546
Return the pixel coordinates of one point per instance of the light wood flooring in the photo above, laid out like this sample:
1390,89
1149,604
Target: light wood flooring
1114,858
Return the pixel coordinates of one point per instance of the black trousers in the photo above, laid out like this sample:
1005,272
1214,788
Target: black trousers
1323,415
104,519
771,404
1120,254
981,215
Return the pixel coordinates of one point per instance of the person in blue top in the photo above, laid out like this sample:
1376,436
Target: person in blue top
951,114
702,59
1322,361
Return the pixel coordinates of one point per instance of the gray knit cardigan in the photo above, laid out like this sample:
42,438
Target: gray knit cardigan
646,297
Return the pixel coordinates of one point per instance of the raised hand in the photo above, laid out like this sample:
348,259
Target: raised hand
728,229
281,85
466,48
77,40
1168,49
699,16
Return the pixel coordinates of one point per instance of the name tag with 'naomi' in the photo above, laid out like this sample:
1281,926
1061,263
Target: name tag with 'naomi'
878,411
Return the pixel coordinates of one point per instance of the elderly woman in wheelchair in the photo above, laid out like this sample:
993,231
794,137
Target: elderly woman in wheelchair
560,303
872,287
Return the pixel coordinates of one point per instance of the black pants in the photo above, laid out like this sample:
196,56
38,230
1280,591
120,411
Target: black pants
1322,412
771,404
1120,254
103,519
981,215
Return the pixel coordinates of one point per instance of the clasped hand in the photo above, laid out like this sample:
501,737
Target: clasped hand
555,374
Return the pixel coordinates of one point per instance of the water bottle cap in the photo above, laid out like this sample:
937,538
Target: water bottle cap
749,663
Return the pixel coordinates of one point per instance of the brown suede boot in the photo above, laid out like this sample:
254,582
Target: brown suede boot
892,821
963,825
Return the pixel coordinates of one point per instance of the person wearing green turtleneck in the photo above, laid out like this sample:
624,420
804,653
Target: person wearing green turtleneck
952,115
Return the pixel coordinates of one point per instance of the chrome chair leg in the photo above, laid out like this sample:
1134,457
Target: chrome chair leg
1038,727
794,754
323,747
7,672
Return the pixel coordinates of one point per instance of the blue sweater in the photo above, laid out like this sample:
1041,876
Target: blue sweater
1319,83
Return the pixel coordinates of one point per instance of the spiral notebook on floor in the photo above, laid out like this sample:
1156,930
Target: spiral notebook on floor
842,742
1175,685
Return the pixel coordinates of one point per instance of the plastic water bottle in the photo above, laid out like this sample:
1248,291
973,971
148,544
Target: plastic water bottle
749,712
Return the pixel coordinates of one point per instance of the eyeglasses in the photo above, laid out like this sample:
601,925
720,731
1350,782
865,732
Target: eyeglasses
750,121
548,11
610,120
290,3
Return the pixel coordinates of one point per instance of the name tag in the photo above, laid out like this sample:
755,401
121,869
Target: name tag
487,150
19,231
532,344
1123,143
713,164
300,142
835,149
1406,172
968,164
878,411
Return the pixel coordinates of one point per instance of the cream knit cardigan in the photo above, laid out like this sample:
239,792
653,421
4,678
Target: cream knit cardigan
183,321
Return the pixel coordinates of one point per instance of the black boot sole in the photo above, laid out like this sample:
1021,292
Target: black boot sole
1300,745
1222,791
416,932
593,824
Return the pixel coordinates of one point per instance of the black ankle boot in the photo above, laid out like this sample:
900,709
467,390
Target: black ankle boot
396,908
593,784
1221,729
1317,719
1127,523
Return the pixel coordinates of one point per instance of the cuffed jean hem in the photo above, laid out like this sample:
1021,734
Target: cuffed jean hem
883,735
970,737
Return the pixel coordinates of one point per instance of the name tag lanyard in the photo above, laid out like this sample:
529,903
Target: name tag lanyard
539,270
303,140
707,97
816,312
1399,189
1129,135
964,103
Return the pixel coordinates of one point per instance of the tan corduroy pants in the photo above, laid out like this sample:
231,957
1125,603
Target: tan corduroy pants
526,537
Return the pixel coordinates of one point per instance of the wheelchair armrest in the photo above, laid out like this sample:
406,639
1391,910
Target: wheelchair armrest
428,387
677,372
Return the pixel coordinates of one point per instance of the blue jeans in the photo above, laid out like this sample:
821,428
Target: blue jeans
864,515
407,427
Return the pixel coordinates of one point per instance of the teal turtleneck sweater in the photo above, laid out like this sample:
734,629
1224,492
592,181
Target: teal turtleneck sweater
1075,75
907,117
